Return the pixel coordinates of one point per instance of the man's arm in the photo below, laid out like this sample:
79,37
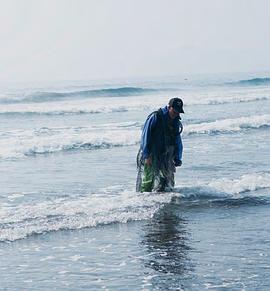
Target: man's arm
178,150
147,133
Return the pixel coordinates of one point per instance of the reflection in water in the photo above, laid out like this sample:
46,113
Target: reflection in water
166,241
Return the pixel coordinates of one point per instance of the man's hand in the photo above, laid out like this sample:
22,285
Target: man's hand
178,163
148,162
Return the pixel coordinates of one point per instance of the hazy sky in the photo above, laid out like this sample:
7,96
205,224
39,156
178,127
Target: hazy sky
93,39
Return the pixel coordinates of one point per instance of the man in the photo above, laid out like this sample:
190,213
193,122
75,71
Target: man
161,148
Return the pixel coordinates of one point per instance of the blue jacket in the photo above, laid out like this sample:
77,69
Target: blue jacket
153,135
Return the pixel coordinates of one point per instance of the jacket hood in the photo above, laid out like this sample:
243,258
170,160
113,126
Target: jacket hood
165,111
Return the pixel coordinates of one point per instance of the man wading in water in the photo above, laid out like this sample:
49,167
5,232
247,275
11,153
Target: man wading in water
161,148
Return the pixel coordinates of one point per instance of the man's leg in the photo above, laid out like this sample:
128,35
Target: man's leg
169,170
170,178
159,182
148,179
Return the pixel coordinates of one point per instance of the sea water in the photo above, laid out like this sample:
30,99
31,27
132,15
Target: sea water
70,218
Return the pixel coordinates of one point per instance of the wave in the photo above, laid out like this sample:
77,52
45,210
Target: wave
92,106
229,188
41,97
243,191
117,104
71,213
229,125
18,144
82,212
252,82
233,100
244,184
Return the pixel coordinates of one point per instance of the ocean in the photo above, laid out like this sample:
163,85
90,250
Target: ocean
70,218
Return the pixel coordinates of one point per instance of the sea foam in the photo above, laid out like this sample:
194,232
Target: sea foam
132,103
23,143
239,187
67,213
244,184
62,214
229,125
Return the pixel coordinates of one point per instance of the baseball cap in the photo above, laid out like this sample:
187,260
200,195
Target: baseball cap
177,104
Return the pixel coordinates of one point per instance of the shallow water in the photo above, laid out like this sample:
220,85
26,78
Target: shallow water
70,218
207,246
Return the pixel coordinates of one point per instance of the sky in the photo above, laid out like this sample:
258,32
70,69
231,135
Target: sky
43,40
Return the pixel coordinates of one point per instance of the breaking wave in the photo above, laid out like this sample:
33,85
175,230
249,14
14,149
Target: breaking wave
229,125
225,192
118,104
82,106
65,214
70,213
229,188
19,144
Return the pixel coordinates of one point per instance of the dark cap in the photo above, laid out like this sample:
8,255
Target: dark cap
177,104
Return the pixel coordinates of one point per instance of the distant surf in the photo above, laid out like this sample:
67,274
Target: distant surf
251,82
117,104
43,96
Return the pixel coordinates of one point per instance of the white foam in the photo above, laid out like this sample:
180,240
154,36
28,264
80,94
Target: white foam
136,103
24,220
21,143
246,183
229,125
15,196
47,258
95,105
63,272
227,187
76,258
